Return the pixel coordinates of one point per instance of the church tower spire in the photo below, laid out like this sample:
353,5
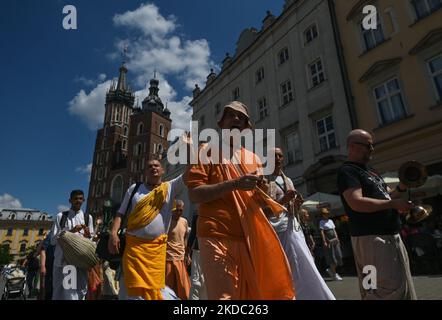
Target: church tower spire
153,102
121,86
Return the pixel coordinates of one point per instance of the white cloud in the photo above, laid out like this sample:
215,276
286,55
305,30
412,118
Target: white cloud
86,169
62,208
89,107
91,82
155,44
8,201
147,19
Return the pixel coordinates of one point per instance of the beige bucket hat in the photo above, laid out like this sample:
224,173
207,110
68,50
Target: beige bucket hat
237,106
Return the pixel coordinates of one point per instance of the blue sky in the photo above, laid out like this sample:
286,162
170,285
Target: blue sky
53,80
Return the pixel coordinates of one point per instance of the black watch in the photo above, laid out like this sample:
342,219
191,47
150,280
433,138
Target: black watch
398,189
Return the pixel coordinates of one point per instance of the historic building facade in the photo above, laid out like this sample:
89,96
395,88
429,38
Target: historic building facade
130,136
21,229
395,74
289,75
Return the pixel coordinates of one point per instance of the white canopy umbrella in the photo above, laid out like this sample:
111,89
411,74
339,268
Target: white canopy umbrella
320,199
431,188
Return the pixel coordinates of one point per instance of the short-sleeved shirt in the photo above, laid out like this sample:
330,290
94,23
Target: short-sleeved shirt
49,250
160,224
73,219
326,224
384,222
218,218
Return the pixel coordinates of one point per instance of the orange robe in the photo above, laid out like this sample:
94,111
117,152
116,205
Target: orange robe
252,254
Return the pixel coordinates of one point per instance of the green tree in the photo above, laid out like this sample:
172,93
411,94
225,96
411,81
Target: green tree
5,256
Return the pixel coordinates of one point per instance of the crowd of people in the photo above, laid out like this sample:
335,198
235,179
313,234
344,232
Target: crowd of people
250,238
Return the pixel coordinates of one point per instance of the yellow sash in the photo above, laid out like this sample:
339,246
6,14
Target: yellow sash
148,207
144,267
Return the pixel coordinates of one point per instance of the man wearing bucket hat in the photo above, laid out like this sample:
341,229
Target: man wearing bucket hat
373,212
239,249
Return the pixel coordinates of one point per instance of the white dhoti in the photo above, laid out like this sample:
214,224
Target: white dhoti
307,281
64,286
197,284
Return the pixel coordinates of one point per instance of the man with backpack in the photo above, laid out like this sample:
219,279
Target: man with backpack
148,212
75,221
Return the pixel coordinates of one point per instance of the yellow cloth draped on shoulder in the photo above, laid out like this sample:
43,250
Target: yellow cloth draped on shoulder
144,261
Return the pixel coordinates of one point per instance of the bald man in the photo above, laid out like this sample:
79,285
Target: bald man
177,277
373,209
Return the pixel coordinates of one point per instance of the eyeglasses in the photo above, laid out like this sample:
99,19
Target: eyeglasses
367,145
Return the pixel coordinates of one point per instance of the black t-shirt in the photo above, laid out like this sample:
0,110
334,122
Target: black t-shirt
385,222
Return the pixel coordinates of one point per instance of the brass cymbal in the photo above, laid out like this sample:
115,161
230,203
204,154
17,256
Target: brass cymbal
413,174
418,213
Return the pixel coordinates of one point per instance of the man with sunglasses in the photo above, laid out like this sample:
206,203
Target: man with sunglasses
373,209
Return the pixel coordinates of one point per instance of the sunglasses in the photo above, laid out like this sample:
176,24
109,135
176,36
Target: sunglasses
367,145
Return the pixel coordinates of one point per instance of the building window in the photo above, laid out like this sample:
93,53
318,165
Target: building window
12,216
286,92
98,193
126,130
100,173
310,34
389,101
293,148
372,37
435,69
6,246
160,148
202,122
235,93
117,189
283,55
161,130
326,133
317,75
118,115
43,218
28,217
262,108
138,148
124,144
140,129
23,247
41,232
217,108
423,8
259,74
9,233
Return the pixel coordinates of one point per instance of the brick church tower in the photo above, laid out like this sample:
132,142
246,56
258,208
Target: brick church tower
129,138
